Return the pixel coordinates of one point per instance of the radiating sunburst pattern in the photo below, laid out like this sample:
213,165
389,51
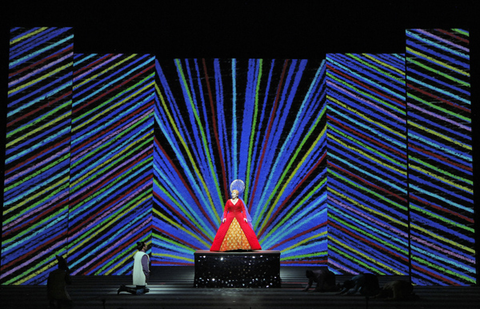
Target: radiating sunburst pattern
35,210
440,156
361,162
257,120
111,162
367,163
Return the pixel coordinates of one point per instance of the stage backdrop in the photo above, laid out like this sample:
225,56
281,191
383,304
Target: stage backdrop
362,162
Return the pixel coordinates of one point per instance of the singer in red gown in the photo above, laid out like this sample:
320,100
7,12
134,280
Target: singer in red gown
235,233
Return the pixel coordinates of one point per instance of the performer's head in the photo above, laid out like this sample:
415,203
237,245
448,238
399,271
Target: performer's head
235,193
62,263
141,246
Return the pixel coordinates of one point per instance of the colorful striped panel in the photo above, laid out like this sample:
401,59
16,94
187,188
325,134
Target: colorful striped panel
111,161
440,157
257,120
367,164
35,210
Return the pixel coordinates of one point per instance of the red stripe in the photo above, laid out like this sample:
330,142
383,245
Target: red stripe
99,212
38,109
76,73
365,86
36,252
367,182
121,247
431,274
382,145
186,185
179,240
112,127
25,224
456,37
32,158
267,135
316,262
438,98
366,241
441,158
444,210
83,106
274,215
33,65
210,96
180,216
170,263
323,224
92,189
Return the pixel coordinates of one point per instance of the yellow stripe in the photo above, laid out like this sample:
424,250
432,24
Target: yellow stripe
368,209
304,241
451,140
48,74
102,72
100,166
174,257
28,35
438,62
434,235
300,164
180,227
116,217
366,257
122,262
32,197
113,107
384,64
368,156
189,154
441,178
37,272
25,135
365,117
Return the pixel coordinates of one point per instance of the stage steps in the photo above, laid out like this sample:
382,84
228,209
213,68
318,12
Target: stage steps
172,287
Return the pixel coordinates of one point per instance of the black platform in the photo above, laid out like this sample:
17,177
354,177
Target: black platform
246,269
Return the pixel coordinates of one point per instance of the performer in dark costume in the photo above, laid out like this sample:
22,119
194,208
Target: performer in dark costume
58,279
366,284
235,231
324,278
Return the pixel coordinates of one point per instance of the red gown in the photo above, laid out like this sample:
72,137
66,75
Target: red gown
235,233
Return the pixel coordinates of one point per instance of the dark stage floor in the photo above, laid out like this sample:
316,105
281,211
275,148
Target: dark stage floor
172,287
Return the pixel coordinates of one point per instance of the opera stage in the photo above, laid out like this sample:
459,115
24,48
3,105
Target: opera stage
172,287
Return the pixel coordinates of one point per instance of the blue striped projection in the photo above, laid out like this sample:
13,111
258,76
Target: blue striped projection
440,156
111,162
257,120
361,162
35,209
367,164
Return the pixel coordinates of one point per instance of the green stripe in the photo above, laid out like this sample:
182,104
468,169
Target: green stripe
368,191
252,132
205,144
456,80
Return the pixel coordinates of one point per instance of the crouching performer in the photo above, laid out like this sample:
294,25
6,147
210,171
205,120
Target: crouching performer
397,290
141,272
324,278
365,284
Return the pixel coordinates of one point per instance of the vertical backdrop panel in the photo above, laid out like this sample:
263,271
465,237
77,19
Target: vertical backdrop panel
262,121
37,159
367,164
440,156
111,161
